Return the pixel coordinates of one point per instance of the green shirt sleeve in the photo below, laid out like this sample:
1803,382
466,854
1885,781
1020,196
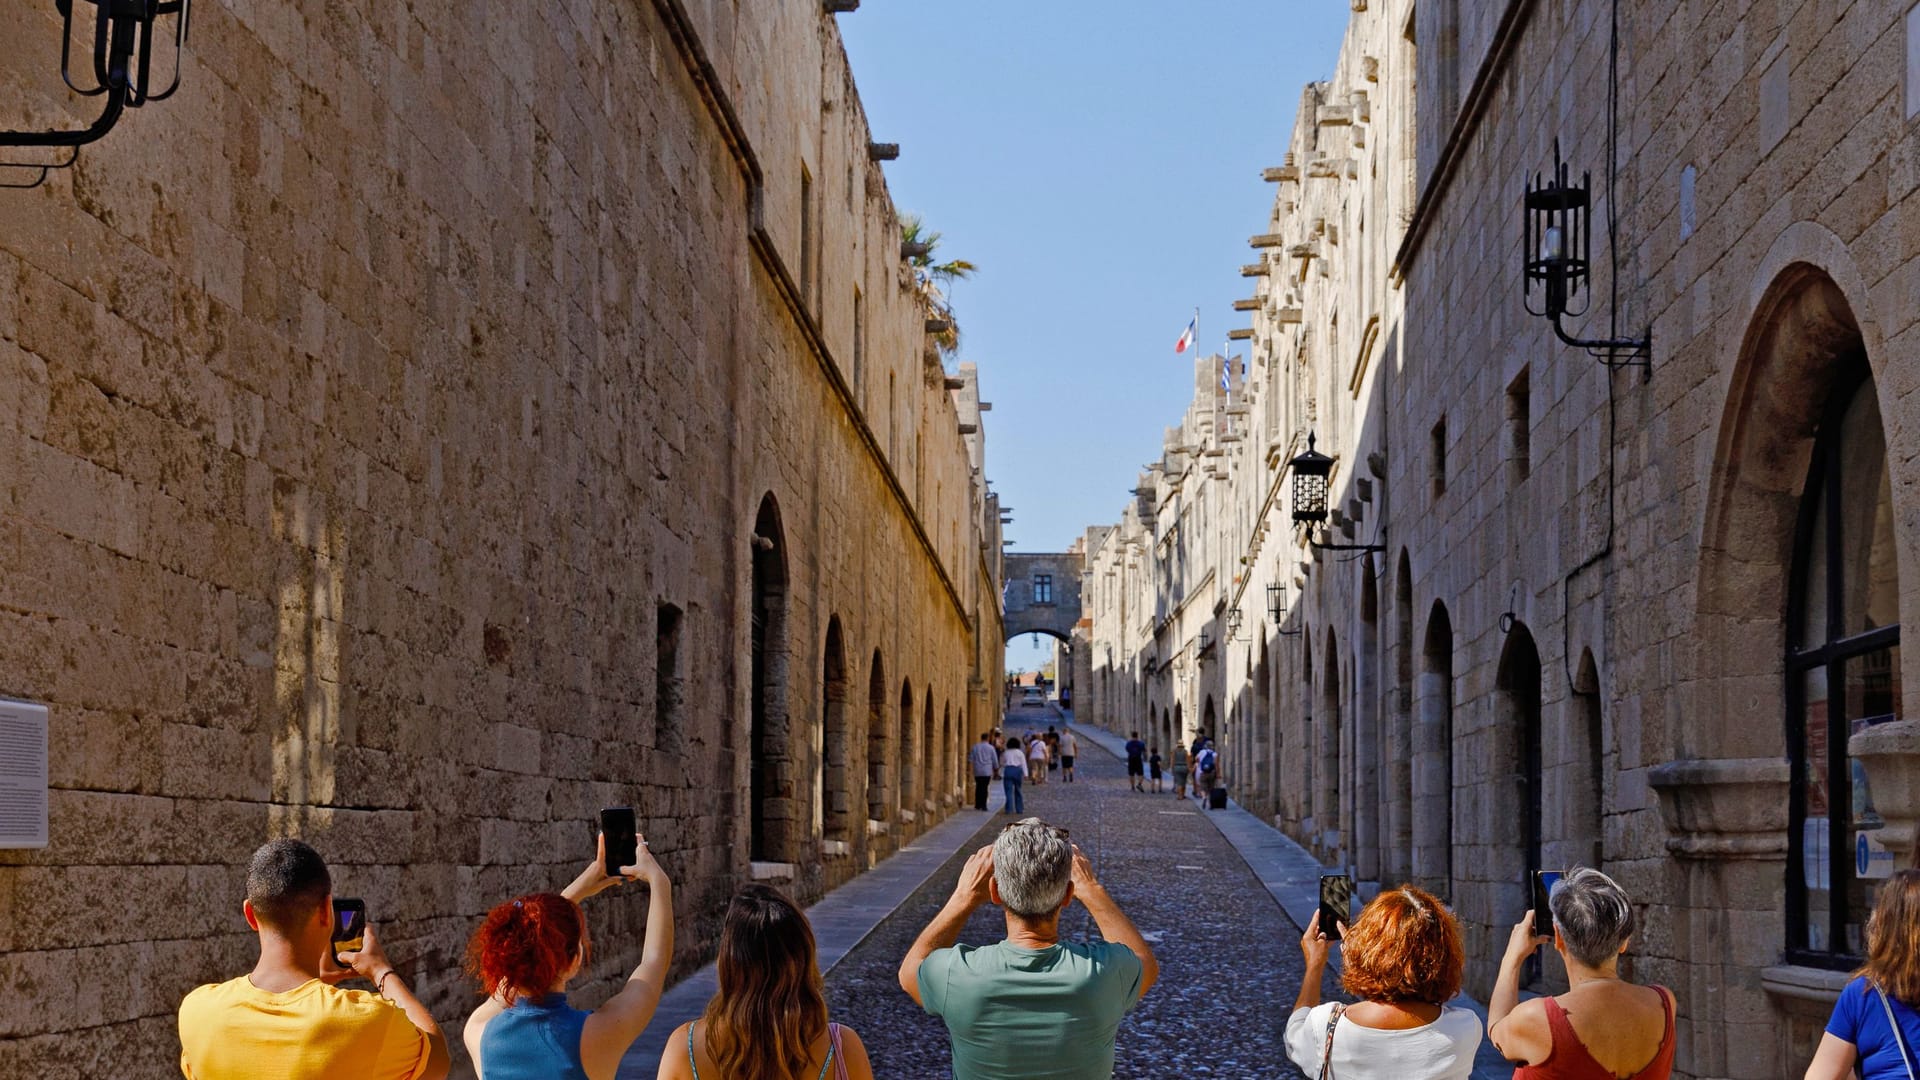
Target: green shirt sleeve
933,980
1123,974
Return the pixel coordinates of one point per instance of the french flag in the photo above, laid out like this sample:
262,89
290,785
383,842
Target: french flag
1187,336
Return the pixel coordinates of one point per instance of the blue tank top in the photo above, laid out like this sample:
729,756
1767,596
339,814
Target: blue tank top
534,1040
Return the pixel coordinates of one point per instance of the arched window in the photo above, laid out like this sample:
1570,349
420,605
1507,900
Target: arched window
1843,675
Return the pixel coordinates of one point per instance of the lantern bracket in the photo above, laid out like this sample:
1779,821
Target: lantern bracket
1607,350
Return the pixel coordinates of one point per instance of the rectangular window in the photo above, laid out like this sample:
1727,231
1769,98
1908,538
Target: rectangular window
1519,429
669,682
1043,588
806,238
1438,459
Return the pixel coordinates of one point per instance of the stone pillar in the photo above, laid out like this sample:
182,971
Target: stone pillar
1432,830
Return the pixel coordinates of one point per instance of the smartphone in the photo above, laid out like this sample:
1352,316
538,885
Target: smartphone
1544,882
349,926
623,838
1336,904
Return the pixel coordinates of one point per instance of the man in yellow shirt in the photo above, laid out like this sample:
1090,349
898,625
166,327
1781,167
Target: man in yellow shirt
286,1020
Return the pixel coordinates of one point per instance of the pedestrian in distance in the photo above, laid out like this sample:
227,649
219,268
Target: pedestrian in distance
985,758
1053,749
1136,762
769,1019
288,1018
1874,1032
1013,767
1603,1026
1207,762
1153,767
1037,759
1403,963
1069,749
1179,771
1031,1004
526,952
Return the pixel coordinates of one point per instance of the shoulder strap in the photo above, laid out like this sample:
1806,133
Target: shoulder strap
1326,1056
1898,1039
691,1063
833,1040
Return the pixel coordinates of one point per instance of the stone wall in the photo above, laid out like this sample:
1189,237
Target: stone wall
397,424
1570,643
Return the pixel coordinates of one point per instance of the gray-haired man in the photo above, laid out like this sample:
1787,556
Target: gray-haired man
1030,998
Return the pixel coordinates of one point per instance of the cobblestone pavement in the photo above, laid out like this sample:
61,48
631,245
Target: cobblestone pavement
1229,957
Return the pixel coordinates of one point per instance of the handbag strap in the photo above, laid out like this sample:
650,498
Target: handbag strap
1895,1025
1326,1056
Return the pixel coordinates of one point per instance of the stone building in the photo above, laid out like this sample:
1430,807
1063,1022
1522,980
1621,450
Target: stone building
1645,619
415,440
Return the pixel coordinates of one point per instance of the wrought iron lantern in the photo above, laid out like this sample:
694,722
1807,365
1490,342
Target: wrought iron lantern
1233,624
1556,250
122,45
1311,469
1276,602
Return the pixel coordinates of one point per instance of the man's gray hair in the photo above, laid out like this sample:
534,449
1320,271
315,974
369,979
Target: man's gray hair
1593,915
1032,863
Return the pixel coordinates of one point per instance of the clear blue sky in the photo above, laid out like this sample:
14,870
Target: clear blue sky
1101,163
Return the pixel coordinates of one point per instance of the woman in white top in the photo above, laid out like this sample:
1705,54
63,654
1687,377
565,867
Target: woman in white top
1013,766
1037,759
1403,963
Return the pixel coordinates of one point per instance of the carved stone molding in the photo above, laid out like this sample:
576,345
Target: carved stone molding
1725,808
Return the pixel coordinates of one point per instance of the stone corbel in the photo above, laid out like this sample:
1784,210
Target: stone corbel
1890,756
1723,808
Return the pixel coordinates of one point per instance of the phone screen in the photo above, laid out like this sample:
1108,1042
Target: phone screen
1336,904
623,838
1544,882
349,926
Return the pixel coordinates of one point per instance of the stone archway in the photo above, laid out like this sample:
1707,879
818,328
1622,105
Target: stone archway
775,821
834,799
1433,759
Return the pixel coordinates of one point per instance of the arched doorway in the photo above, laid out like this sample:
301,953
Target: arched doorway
1511,817
929,779
774,816
1326,796
949,782
835,793
1399,782
1433,759
909,752
879,745
1366,731
1584,771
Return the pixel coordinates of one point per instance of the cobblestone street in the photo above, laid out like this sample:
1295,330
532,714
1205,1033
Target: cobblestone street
1229,957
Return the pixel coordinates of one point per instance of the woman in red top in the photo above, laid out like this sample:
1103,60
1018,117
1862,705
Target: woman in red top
1603,1027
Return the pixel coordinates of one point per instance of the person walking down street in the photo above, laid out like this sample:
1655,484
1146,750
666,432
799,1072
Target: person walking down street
1013,766
1069,749
1153,767
985,758
1179,771
1208,764
1030,1005
1037,760
1403,963
770,1017
1603,1026
528,950
1053,749
1875,1028
1136,762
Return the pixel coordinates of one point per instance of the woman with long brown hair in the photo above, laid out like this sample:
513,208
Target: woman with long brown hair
1875,1029
769,1020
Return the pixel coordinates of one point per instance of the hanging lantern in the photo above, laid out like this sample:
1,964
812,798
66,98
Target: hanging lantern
1310,471
1557,239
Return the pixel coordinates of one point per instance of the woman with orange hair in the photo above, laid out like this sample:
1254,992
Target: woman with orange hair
528,950
769,1020
1875,1029
1403,962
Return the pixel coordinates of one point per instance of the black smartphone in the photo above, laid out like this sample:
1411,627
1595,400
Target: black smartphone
1544,882
623,838
349,926
1336,904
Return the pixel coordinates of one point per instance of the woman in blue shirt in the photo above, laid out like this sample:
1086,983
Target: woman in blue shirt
1875,1028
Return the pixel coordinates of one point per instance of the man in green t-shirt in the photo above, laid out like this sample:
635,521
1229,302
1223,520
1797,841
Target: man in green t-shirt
1030,1006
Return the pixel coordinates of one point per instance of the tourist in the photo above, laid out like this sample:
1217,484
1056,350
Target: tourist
986,765
1403,964
1136,762
286,1018
1037,760
1207,765
524,955
769,1019
1069,749
1053,749
1179,771
1875,1028
1013,766
1153,767
1030,1005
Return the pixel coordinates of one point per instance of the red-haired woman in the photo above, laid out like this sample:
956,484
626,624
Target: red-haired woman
1403,962
1875,1029
524,955
769,1020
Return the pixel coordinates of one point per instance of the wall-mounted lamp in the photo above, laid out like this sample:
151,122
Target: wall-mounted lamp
1311,468
1557,250
123,33
1277,608
1233,624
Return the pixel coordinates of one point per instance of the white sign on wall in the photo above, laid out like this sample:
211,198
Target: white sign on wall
1913,62
23,774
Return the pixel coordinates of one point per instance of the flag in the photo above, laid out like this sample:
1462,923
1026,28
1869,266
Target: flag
1189,335
1226,368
